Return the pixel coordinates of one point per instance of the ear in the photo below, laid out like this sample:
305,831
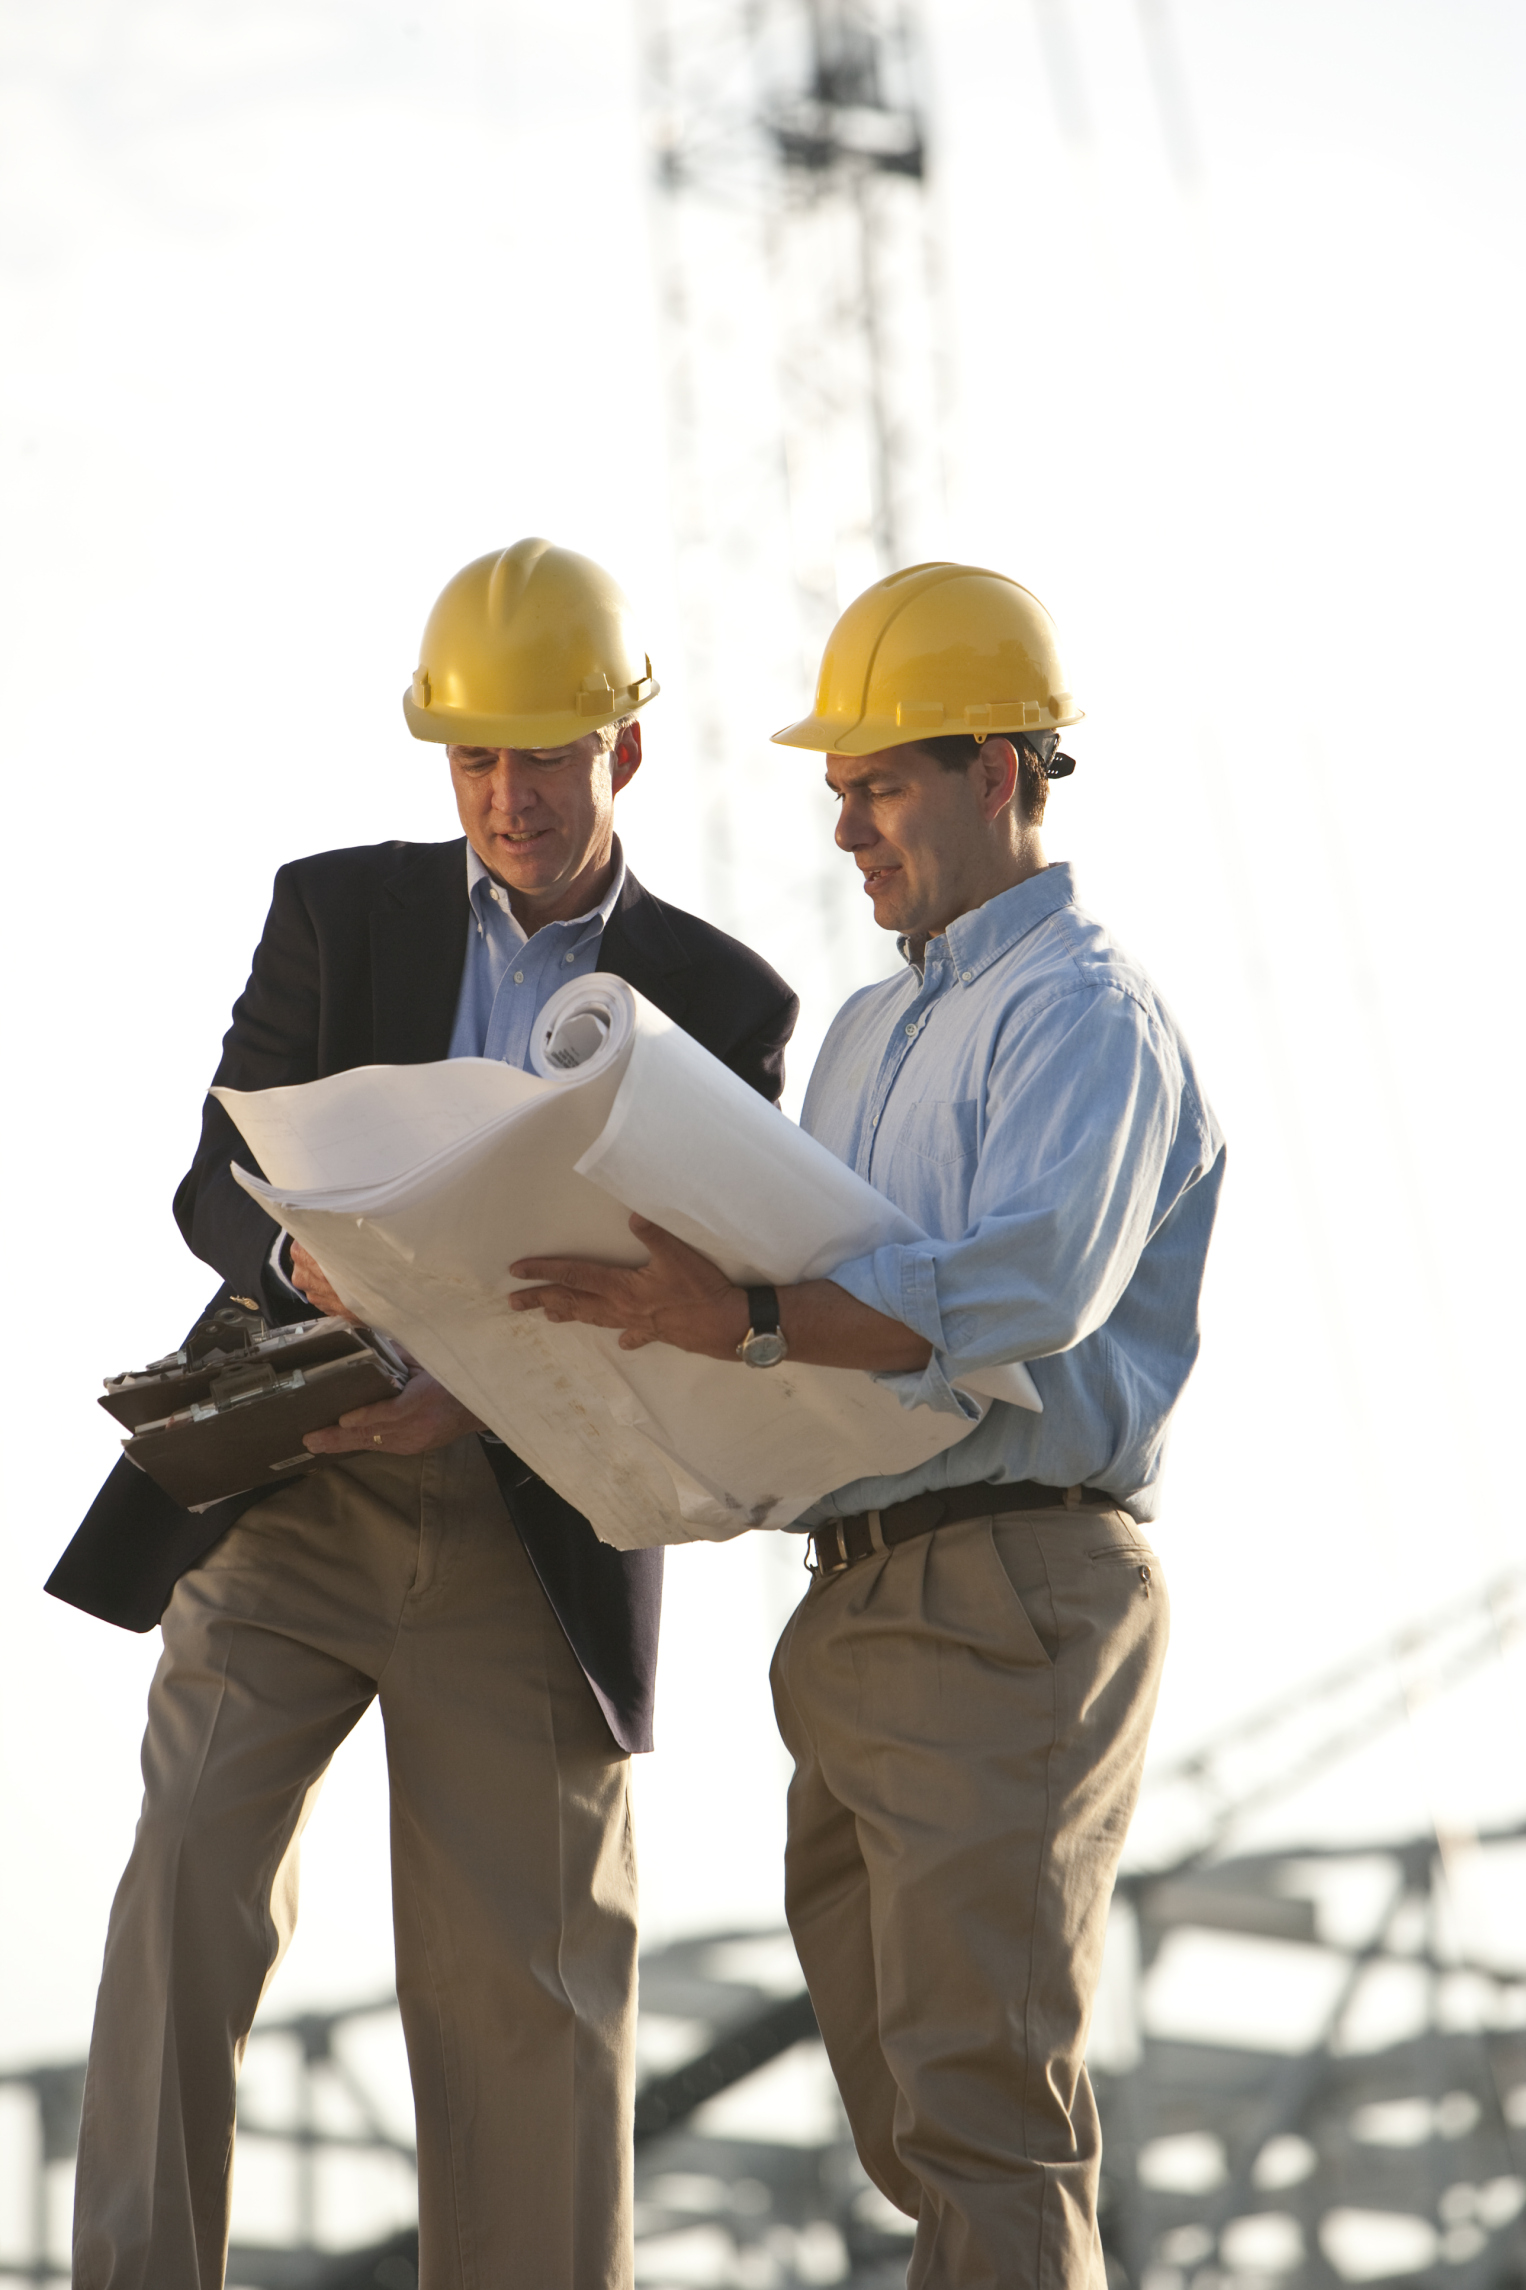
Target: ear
996,776
625,757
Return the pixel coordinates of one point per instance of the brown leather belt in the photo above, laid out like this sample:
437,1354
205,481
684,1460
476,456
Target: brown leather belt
840,1543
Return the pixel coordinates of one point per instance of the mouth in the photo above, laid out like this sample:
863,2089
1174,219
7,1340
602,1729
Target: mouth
876,878
521,841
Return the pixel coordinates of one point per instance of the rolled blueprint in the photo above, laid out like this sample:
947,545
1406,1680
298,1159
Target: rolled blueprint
416,1187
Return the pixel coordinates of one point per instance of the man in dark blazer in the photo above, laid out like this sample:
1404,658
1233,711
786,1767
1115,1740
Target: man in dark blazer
513,1652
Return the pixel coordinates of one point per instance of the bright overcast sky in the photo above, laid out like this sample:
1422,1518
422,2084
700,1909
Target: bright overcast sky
306,304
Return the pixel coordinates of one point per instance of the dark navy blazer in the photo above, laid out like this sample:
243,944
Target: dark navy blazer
360,964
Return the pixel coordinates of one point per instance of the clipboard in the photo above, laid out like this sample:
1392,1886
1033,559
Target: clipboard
226,1413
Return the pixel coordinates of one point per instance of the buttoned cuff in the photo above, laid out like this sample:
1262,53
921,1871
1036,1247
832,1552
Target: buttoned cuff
903,1284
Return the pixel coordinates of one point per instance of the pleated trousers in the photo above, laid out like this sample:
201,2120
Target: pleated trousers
968,1715
513,1871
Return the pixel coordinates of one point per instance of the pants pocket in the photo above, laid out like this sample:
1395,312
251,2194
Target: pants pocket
1124,1559
1020,1570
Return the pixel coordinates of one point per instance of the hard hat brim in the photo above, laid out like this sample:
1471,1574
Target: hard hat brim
831,735
454,727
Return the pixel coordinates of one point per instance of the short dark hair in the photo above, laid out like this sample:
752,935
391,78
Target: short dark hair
958,750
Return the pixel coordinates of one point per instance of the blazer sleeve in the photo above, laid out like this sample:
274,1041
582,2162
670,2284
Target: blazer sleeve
757,1056
272,1041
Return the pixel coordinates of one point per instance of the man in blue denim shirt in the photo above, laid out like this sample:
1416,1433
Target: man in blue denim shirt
967,1688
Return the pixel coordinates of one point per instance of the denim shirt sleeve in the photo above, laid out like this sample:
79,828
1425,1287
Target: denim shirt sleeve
1081,1107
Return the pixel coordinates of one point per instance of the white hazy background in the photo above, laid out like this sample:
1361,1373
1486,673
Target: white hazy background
304,305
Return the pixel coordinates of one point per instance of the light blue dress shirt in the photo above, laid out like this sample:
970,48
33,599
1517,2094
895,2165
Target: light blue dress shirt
509,978
1027,1097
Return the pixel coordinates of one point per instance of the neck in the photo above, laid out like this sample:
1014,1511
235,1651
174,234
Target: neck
1015,865
532,910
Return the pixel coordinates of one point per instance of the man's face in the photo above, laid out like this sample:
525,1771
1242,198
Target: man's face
542,819
925,840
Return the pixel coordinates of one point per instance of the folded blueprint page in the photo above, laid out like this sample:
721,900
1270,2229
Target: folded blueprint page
416,1186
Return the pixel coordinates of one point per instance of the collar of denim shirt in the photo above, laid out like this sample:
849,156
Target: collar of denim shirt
485,893
973,941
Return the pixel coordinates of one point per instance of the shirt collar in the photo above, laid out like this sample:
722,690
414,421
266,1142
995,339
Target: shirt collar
480,887
981,937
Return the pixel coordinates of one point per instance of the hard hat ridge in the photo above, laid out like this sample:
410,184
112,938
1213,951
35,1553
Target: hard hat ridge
513,570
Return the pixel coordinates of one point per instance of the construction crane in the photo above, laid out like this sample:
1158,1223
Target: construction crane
798,294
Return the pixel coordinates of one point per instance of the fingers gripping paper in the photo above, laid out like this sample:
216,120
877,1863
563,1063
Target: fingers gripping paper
416,1186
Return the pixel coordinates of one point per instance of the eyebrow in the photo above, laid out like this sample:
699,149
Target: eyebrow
537,754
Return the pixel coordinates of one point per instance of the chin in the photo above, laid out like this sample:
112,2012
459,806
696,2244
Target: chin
889,912
527,870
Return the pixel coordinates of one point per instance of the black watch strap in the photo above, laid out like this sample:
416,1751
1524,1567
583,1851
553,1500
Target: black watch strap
763,1311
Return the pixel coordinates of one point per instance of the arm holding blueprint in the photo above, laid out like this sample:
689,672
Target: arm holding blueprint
416,1188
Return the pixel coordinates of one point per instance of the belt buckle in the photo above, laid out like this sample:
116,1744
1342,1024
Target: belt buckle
825,1564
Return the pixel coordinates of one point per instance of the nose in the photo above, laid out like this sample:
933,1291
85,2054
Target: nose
855,830
513,787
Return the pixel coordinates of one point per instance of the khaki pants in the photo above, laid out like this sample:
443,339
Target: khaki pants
513,1884
968,1716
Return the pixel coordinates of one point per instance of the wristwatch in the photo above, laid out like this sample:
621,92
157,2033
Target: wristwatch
764,1344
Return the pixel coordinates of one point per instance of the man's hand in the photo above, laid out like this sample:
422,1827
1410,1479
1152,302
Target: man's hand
308,1275
679,1298
423,1416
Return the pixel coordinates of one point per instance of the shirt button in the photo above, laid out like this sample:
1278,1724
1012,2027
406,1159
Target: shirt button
572,957
966,976
910,1031
519,977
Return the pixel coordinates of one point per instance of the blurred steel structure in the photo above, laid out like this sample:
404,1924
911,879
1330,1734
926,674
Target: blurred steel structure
1305,2161
1194,1804
801,332
1308,2162
1380,2135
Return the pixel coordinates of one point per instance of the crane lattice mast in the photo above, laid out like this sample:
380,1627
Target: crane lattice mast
805,355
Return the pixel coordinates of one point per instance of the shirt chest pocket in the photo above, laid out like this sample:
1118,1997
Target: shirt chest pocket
942,1130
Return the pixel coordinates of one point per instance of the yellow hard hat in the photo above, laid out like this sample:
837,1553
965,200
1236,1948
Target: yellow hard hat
935,649
529,647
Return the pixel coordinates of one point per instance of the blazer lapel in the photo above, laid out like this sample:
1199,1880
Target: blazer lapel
639,945
418,949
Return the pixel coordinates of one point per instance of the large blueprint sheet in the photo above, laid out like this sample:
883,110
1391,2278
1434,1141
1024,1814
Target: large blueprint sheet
416,1186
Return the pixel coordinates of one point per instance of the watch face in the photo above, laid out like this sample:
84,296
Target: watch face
764,1351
